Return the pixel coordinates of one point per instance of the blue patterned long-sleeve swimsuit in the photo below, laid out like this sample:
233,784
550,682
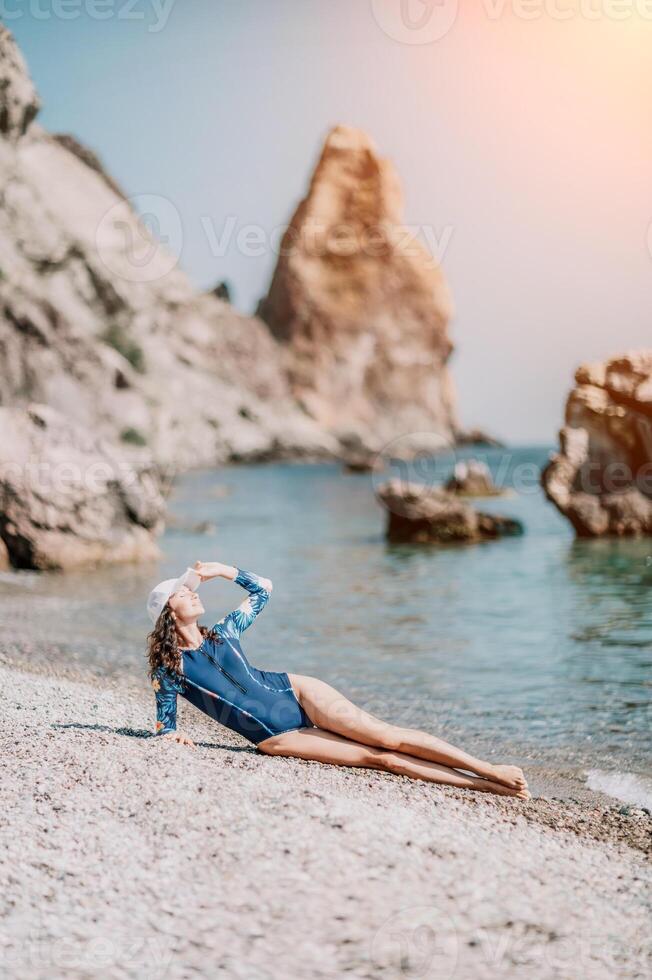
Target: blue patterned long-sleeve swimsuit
219,680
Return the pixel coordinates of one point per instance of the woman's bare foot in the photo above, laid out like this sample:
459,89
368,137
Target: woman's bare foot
488,786
510,776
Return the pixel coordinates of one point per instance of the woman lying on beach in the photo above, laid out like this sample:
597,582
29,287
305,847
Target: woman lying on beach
281,713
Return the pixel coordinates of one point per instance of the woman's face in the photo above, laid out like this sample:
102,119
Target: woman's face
186,605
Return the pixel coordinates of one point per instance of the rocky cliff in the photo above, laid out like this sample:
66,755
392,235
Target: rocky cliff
601,479
360,307
97,321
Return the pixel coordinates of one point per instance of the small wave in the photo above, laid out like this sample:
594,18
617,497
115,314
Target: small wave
626,786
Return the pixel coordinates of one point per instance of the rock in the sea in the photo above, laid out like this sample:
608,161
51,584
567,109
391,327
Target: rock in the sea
360,306
69,499
222,291
358,458
179,524
477,437
418,513
472,478
601,479
97,320
361,462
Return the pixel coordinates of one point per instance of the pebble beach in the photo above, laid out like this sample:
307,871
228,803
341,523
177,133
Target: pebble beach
125,856
397,367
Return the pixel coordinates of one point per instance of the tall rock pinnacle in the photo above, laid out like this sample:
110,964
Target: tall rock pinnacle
361,307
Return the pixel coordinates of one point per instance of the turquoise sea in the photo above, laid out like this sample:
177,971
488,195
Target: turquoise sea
538,647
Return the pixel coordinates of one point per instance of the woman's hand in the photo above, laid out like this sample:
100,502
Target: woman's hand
214,569
180,738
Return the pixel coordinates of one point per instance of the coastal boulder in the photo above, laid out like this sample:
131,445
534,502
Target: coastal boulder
358,458
478,437
418,513
359,462
601,478
472,478
69,499
360,306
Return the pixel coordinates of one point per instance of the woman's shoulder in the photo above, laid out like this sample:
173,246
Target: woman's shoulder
216,633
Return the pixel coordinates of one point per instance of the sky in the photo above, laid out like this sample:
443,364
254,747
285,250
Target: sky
521,132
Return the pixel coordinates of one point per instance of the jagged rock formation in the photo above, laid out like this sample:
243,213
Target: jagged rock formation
360,306
421,514
69,499
97,322
19,103
601,479
86,155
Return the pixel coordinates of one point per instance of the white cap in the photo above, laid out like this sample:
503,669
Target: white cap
162,592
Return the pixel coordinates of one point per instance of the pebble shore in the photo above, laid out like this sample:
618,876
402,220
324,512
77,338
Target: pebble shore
122,855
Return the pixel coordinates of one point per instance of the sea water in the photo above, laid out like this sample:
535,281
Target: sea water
538,646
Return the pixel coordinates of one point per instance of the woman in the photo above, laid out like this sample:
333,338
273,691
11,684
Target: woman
281,713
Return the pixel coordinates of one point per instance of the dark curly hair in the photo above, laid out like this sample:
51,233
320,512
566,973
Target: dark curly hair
163,643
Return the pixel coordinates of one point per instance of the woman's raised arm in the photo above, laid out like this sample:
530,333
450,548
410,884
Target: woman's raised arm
259,589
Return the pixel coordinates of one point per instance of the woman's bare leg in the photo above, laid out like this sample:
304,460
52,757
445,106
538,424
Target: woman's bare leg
330,710
317,745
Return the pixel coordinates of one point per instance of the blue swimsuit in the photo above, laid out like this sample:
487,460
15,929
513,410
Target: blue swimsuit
219,680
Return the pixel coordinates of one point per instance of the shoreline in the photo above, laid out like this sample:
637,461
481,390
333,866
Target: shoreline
123,856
